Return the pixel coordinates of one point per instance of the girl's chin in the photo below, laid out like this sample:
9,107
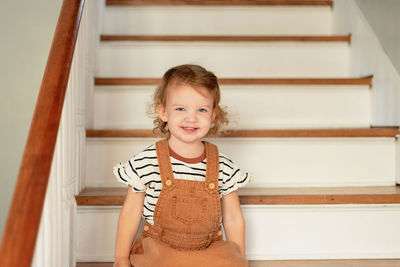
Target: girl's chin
188,138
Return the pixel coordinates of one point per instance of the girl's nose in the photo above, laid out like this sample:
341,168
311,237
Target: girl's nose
191,116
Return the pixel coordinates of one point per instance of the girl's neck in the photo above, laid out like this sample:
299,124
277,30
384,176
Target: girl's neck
193,150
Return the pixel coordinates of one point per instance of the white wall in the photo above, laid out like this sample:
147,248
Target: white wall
383,16
367,57
26,30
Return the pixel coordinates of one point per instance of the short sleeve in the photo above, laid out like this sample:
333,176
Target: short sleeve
126,173
232,176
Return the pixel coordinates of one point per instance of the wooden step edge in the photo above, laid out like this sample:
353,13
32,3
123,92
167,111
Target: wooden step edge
269,196
367,80
368,132
210,38
319,199
328,3
293,263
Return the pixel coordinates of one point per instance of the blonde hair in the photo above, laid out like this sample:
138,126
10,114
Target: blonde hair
197,77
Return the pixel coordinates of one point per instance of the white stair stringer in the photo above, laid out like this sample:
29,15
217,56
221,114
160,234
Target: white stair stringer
225,59
214,20
274,162
273,232
250,106
276,232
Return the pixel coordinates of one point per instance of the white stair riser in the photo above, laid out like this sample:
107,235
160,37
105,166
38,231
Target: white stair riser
276,59
185,20
250,107
274,162
97,228
277,232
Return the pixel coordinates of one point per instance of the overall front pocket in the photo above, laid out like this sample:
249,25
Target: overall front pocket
188,210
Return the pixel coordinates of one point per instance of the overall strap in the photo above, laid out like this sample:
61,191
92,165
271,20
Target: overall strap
164,163
212,170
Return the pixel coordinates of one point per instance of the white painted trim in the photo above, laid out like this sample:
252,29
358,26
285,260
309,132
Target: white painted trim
273,106
397,159
269,212
322,208
97,209
318,213
226,59
313,256
310,160
218,20
255,257
97,9
56,245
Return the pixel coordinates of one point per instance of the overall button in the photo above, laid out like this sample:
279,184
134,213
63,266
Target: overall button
146,228
168,182
211,186
219,232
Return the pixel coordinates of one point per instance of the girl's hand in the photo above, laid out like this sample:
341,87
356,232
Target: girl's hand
123,262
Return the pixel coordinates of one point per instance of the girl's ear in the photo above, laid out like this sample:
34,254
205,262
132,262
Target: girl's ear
214,114
162,113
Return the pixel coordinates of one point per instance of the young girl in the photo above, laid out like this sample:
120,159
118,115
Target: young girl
183,187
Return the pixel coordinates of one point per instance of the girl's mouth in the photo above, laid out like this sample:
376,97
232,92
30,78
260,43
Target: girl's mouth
189,129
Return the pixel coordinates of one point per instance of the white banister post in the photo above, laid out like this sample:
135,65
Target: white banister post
55,245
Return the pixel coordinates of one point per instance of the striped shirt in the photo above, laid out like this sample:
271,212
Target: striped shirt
143,174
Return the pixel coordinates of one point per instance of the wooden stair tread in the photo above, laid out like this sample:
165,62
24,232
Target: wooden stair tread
238,38
293,263
367,132
219,2
367,80
269,196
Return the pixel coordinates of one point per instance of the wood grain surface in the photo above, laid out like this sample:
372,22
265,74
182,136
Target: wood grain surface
220,2
358,132
213,38
294,263
367,80
269,196
24,216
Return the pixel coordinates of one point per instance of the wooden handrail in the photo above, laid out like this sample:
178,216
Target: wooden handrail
19,238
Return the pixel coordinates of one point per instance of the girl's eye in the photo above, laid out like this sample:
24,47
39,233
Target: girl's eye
180,109
203,110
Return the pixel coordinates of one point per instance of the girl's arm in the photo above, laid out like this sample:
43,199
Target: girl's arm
128,224
233,220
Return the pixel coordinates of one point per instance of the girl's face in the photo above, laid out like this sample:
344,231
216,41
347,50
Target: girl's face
189,113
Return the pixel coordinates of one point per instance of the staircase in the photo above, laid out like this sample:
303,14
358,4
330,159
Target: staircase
325,180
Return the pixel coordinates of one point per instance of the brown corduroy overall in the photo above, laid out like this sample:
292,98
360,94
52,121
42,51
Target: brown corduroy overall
186,230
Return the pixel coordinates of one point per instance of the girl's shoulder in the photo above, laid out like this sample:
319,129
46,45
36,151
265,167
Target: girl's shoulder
145,160
225,162
147,154
226,159
231,176
140,170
